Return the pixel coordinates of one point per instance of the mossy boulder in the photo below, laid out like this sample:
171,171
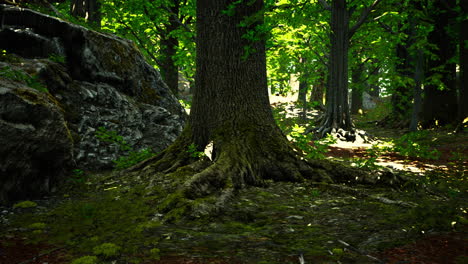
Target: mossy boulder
96,80
36,145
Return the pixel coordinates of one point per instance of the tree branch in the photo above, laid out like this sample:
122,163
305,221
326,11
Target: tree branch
362,18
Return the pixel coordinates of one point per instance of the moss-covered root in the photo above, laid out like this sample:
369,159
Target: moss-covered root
170,159
208,190
341,173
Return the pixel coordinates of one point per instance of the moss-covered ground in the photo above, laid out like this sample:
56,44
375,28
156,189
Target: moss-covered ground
274,224
116,217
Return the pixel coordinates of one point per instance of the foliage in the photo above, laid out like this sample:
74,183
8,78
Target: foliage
25,204
155,253
313,149
132,158
107,250
7,57
415,144
57,58
78,177
19,76
85,260
369,162
129,159
37,226
193,150
185,103
112,137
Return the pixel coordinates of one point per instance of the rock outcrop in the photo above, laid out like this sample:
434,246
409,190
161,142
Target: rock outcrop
59,83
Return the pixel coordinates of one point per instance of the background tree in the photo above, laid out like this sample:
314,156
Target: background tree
163,29
87,9
337,113
440,96
463,49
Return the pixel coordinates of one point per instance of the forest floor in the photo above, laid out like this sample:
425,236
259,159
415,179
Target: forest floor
116,219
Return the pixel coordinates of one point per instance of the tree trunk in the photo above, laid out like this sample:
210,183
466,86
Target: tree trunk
463,46
337,114
231,110
402,95
87,9
169,44
303,88
440,106
418,78
316,95
357,89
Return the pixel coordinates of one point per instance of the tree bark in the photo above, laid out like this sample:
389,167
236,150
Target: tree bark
303,89
169,43
87,9
337,114
231,110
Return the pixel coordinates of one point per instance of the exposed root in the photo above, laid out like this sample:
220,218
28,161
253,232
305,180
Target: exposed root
360,193
170,159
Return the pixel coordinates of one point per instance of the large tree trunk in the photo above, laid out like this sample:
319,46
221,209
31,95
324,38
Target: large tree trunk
231,110
169,44
337,114
87,9
440,106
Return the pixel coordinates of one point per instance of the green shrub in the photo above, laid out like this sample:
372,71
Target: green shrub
25,204
37,226
111,136
193,150
85,260
370,161
313,149
415,144
19,76
132,157
107,250
155,253
57,58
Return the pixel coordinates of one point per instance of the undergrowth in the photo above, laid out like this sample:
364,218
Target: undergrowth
132,157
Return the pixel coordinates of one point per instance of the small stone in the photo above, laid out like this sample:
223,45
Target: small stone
298,217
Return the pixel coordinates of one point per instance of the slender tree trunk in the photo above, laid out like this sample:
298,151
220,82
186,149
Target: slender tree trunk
337,114
87,9
417,94
318,89
403,93
357,89
373,89
463,46
303,89
169,44
440,106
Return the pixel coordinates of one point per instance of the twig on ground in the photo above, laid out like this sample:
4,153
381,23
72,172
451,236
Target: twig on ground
348,246
360,193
